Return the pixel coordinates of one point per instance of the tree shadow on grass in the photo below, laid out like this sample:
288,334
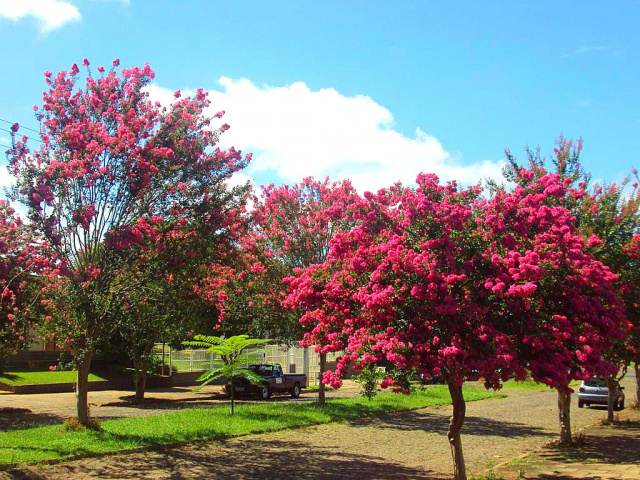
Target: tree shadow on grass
8,376
239,459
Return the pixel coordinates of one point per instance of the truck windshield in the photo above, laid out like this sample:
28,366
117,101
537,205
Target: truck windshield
262,370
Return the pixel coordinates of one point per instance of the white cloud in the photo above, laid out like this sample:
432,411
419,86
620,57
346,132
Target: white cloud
241,179
6,179
51,14
296,132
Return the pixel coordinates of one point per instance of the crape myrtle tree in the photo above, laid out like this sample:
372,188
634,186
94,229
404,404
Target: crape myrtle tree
22,258
164,309
405,289
561,303
293,226
607,217
631,294
168,265
610,219
441,280
244,288
290,229
112,167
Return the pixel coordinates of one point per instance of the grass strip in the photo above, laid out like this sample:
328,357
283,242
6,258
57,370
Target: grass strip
39,377
53,442
531,385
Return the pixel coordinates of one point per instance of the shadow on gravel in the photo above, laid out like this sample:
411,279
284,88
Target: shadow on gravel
619,444
429,422
267,459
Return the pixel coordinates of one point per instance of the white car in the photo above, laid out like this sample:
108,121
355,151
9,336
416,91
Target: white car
595,392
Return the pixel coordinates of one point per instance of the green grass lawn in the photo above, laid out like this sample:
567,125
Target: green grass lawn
53,442
26,376
531,385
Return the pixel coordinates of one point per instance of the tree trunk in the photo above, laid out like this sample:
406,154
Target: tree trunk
82,389
141,384
233,396
564,415
612,396
321,390
637,369
455,425
140,366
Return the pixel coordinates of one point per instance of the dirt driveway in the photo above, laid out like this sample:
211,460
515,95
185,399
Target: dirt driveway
410,445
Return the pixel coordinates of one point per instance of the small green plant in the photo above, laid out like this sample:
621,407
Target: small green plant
523,461
369,378
490,475
73,425
233,361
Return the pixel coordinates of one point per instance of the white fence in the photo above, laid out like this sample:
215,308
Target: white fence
293,359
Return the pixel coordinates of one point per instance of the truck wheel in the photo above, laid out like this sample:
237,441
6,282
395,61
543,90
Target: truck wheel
295,391
265,392
580,404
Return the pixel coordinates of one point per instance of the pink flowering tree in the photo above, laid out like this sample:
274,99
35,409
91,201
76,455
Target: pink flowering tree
610,221
630,292
245,290
441,280
293,227
113,168
607,217
21,259
165,306
405,289
562,301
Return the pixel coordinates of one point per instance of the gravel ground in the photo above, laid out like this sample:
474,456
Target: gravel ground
410,445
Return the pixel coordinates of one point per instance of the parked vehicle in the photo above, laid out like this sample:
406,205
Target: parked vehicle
274,382
427,379
595,392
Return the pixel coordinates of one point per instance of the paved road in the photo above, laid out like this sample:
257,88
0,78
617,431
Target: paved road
409,445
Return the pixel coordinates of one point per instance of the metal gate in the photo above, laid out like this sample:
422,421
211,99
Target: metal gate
293,359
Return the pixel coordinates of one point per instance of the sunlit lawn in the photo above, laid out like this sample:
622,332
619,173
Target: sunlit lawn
52,442
26,376
531,385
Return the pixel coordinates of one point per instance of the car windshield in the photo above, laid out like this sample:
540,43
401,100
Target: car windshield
595,382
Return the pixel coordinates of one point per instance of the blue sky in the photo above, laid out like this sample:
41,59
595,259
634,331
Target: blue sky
374,91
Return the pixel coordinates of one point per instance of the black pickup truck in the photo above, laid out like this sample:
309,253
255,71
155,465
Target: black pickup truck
274,382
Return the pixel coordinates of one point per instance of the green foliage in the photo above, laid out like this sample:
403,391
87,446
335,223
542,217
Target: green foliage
188,425
369,378
233,359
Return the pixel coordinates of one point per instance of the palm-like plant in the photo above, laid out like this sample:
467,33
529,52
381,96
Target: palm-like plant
233,359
